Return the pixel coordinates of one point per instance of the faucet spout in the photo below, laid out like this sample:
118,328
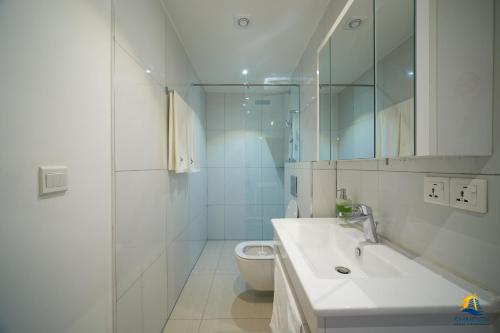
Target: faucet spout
364,214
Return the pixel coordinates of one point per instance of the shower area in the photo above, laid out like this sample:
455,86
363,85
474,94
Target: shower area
251,132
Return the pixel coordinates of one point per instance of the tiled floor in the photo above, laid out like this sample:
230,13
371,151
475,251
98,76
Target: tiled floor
216,299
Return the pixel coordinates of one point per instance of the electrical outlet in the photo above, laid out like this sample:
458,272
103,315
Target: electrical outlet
437,190
469,194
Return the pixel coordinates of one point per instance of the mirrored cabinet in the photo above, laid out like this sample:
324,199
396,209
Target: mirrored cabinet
400,78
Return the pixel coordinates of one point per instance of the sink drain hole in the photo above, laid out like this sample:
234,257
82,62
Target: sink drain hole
342,270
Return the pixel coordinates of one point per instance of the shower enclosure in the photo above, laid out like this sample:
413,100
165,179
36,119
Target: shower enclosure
251,132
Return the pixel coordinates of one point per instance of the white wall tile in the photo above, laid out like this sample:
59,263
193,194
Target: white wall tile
242,186
272,186
129,318
243,222
246,149
270,212
253,149
140,29
235,112
140,117
146,39
273,148
141,200
273,115
451,237
216,187
215,148
177,205
216,222
215,111
197,192
303,171
361,187
154,295
235,154
324,192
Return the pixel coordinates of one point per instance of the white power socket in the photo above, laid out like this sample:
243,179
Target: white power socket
469,194
437,190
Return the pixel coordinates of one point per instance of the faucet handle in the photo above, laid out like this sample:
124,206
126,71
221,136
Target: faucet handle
360,209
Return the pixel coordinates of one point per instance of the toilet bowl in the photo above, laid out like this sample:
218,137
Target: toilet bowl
256,263
256,258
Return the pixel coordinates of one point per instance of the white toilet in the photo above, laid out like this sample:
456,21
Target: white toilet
256,258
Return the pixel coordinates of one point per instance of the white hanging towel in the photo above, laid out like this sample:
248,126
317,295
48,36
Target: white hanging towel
182,154
286,317
395,135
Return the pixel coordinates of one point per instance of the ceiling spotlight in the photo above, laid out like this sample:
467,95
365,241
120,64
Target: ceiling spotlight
243,22
244,72
148,71
247,98
354,22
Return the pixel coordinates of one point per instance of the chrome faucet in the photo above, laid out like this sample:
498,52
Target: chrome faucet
363,213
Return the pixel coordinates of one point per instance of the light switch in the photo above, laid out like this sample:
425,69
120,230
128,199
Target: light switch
469,194
437,190
52,179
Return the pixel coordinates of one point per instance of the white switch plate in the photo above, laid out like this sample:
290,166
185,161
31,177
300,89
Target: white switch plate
437,190
469,194
52,179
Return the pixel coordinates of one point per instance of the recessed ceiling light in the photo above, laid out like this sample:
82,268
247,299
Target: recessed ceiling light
244,72
247,98
148,71
243,22
354,22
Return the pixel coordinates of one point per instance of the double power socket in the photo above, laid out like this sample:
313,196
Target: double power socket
464,193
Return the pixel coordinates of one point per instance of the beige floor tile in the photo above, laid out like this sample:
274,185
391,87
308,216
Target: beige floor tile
229,246
193,299
182,326
235,326
207,263
227,265
214,247
231,298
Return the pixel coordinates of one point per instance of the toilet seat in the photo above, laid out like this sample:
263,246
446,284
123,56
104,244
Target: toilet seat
240,250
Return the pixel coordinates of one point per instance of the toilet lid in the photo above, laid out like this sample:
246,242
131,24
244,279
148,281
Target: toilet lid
292,210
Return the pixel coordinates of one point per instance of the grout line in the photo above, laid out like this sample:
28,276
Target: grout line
211,284
141,274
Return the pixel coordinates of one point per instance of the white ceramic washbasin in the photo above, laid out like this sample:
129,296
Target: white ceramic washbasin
382,280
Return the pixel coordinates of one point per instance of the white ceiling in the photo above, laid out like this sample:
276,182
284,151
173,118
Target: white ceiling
270,47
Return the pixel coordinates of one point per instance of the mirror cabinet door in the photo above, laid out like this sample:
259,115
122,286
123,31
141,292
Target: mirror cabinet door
366,107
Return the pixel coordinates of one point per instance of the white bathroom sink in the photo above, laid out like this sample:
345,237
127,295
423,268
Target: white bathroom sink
382,281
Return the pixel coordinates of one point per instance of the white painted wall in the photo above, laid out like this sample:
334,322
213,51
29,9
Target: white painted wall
55,252
160,216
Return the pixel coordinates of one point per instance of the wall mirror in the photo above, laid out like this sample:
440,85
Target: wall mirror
366,82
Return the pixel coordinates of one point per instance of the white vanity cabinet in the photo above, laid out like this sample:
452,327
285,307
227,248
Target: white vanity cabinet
454,77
